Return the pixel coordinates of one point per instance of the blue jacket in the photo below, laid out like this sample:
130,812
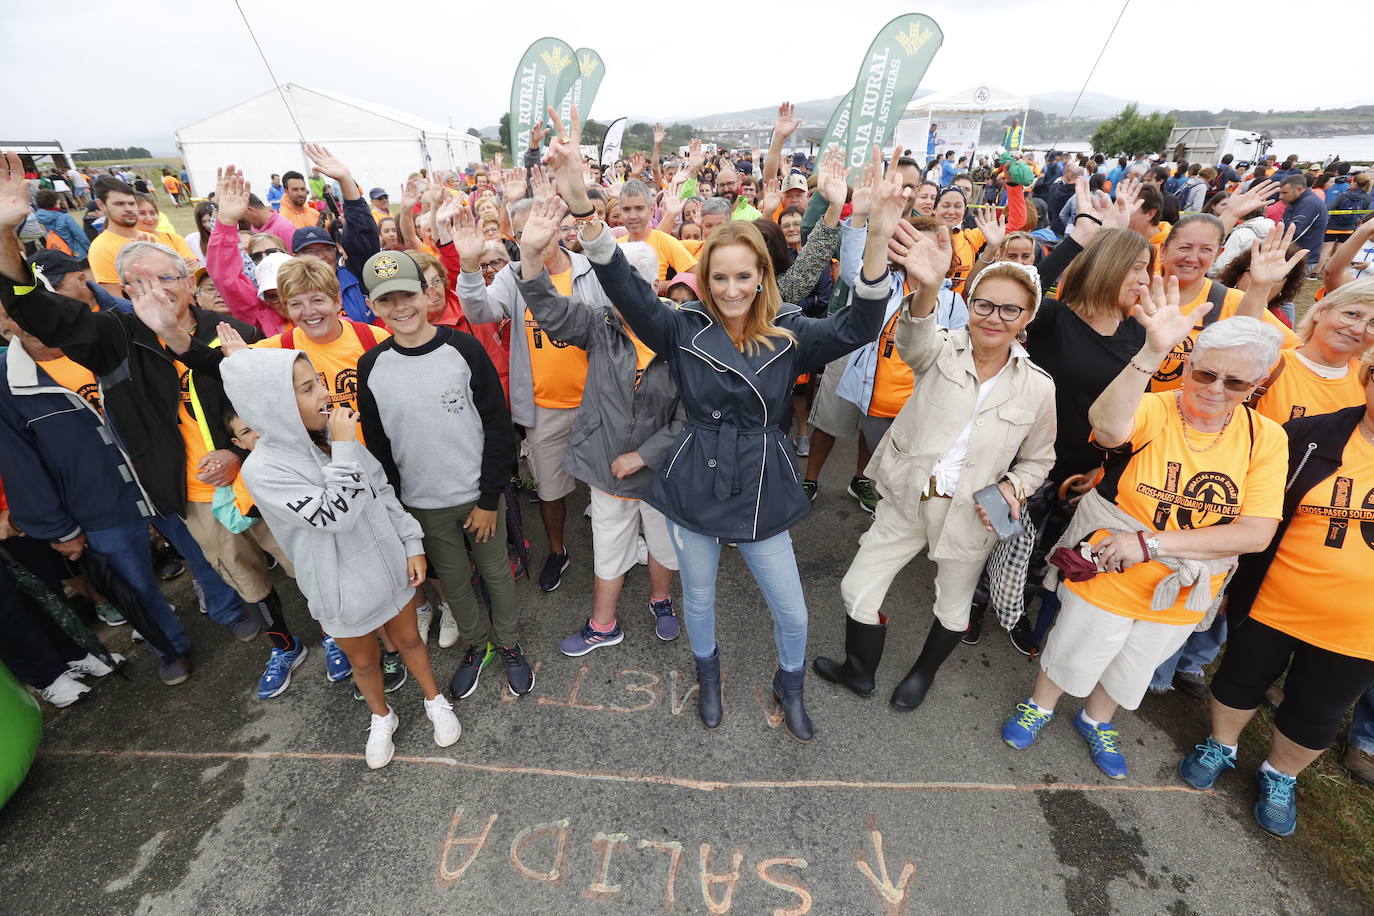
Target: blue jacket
730,473
65,470
1353,199
1308,216
61,222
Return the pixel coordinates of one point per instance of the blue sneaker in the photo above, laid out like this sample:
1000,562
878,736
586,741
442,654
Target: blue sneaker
336,664
1102,747
587,639
280,664
1277,808
1020,730
1207,761
666,623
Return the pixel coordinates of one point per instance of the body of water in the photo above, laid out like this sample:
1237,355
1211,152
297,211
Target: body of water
1352,148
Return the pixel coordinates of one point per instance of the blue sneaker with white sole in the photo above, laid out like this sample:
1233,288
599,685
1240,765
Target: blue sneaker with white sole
667,626
1021,729
280,664
588,638
1102,747
1201,768
336,664
1277,808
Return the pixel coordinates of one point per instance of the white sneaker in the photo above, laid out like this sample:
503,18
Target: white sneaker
66,690
380,748
423,617
446,725
92,665
642,552
448,627
200,595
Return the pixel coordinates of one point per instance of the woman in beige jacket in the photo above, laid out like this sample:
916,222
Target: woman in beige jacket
981,413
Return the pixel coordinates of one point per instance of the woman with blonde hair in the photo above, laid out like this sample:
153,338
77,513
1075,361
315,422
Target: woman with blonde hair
735,355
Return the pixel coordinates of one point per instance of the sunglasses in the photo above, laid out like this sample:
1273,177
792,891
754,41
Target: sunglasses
257,256
1203,377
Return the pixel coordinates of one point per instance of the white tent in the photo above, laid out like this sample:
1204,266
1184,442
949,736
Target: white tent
975,100
380,145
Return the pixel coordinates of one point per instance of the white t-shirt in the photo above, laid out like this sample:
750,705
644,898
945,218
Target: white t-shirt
946,470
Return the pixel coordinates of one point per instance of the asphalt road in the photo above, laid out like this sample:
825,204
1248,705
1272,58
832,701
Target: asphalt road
601,792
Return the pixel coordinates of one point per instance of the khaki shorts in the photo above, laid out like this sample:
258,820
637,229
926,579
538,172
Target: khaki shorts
1089,646
548,443
238,558
615,534
831,413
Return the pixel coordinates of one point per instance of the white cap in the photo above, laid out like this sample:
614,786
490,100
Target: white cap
267,268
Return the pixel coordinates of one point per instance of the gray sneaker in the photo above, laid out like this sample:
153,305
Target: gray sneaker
109,614
667,626
245,629
173,672
803,445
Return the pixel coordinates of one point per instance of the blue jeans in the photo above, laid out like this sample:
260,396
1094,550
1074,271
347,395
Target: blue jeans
1196,654
1361,732
774,567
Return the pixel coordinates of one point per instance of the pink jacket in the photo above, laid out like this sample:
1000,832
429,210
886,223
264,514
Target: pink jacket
225,266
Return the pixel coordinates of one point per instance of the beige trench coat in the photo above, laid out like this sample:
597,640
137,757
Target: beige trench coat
1012,437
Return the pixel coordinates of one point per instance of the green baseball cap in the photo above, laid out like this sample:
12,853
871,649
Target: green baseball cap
391,272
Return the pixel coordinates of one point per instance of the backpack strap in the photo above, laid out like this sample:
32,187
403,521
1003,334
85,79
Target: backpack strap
366,336
288,338
1217,296
1262,387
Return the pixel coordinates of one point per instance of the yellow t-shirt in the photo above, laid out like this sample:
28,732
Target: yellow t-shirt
105,249
197,491
671,253
559,370
74,377
1169,375
1300,392
893,381
336,363
1315,589
1170,487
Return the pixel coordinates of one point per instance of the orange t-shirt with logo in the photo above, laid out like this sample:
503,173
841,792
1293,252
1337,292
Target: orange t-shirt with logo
1300,392
1170,487
671,253
336,363
559,370
74,377
1169,375
197,491
893,381
1324,566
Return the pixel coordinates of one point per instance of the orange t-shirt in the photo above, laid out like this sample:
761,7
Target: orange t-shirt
175,242
1171,487
559,370
105,249
1323,565
171,184
74,377
671,253
1300,392
1169,375
643,355
336,363
197,491
967,243
305,216
893,381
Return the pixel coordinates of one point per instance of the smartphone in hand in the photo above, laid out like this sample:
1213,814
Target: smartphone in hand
992,501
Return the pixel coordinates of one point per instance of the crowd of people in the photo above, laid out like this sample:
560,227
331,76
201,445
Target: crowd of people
1079,385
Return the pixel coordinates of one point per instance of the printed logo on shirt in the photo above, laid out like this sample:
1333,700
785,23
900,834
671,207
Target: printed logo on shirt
345,387
454,400
1206,494
91,392
1172,367
540,335
1341,514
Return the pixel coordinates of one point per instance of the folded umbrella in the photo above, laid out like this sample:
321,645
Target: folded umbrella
58,609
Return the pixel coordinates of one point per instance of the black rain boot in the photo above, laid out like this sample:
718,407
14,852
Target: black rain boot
863,649
708,690
939,643
975,625
787,687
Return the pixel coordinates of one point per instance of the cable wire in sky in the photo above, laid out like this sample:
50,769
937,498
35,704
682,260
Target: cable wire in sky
300,133
1088,78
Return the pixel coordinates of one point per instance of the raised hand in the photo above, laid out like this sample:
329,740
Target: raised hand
515,185
923,259
410,194
772,196
467,237
672,207
537,134
637,161
565,157
865,183
327,162
1158,312
1243,203
993,225
230,340
231,195
890,202
660,134
541,229
541,183
787,121
831,179
14,193
1124,208
695,157
1268,265
443,217
152,305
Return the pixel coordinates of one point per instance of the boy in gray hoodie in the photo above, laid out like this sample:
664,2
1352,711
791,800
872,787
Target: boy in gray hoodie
357,552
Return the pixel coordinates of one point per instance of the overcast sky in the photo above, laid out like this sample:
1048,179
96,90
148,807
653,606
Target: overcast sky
148,68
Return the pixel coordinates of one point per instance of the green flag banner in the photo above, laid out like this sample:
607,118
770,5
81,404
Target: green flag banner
590,70
544,66
837,130
888,78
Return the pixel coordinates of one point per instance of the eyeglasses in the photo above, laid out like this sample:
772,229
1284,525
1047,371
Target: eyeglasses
1203,377
493,265
257,256
1353,319
568,230
1008,313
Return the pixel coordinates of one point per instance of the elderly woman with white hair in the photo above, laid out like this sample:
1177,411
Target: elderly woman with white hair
1193,478
981,414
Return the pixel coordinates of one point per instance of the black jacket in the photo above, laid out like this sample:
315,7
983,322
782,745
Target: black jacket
1315,446
139,383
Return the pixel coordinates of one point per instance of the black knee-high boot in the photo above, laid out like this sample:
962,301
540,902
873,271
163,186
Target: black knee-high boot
863,649
939,643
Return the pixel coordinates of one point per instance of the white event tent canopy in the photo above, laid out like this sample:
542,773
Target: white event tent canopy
973,101
380,145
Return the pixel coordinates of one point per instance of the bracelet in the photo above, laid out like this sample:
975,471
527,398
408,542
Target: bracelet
1139,368
588,215
1087,216
584,220
1144,548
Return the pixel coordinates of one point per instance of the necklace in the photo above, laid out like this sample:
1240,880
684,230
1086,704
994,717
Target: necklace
1178,405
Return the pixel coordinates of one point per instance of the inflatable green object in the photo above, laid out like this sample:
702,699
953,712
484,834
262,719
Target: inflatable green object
21,727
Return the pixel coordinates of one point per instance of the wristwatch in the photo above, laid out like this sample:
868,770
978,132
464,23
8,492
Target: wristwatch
1152,545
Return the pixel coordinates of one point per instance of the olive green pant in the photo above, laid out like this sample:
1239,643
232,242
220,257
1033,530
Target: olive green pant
446,546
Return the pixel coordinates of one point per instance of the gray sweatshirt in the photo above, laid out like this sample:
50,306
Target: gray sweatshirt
334,514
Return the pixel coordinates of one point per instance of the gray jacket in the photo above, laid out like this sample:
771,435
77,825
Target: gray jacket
490,304
334,514
619,413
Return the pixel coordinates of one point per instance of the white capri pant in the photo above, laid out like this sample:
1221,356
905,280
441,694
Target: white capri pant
1089,646
615,534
